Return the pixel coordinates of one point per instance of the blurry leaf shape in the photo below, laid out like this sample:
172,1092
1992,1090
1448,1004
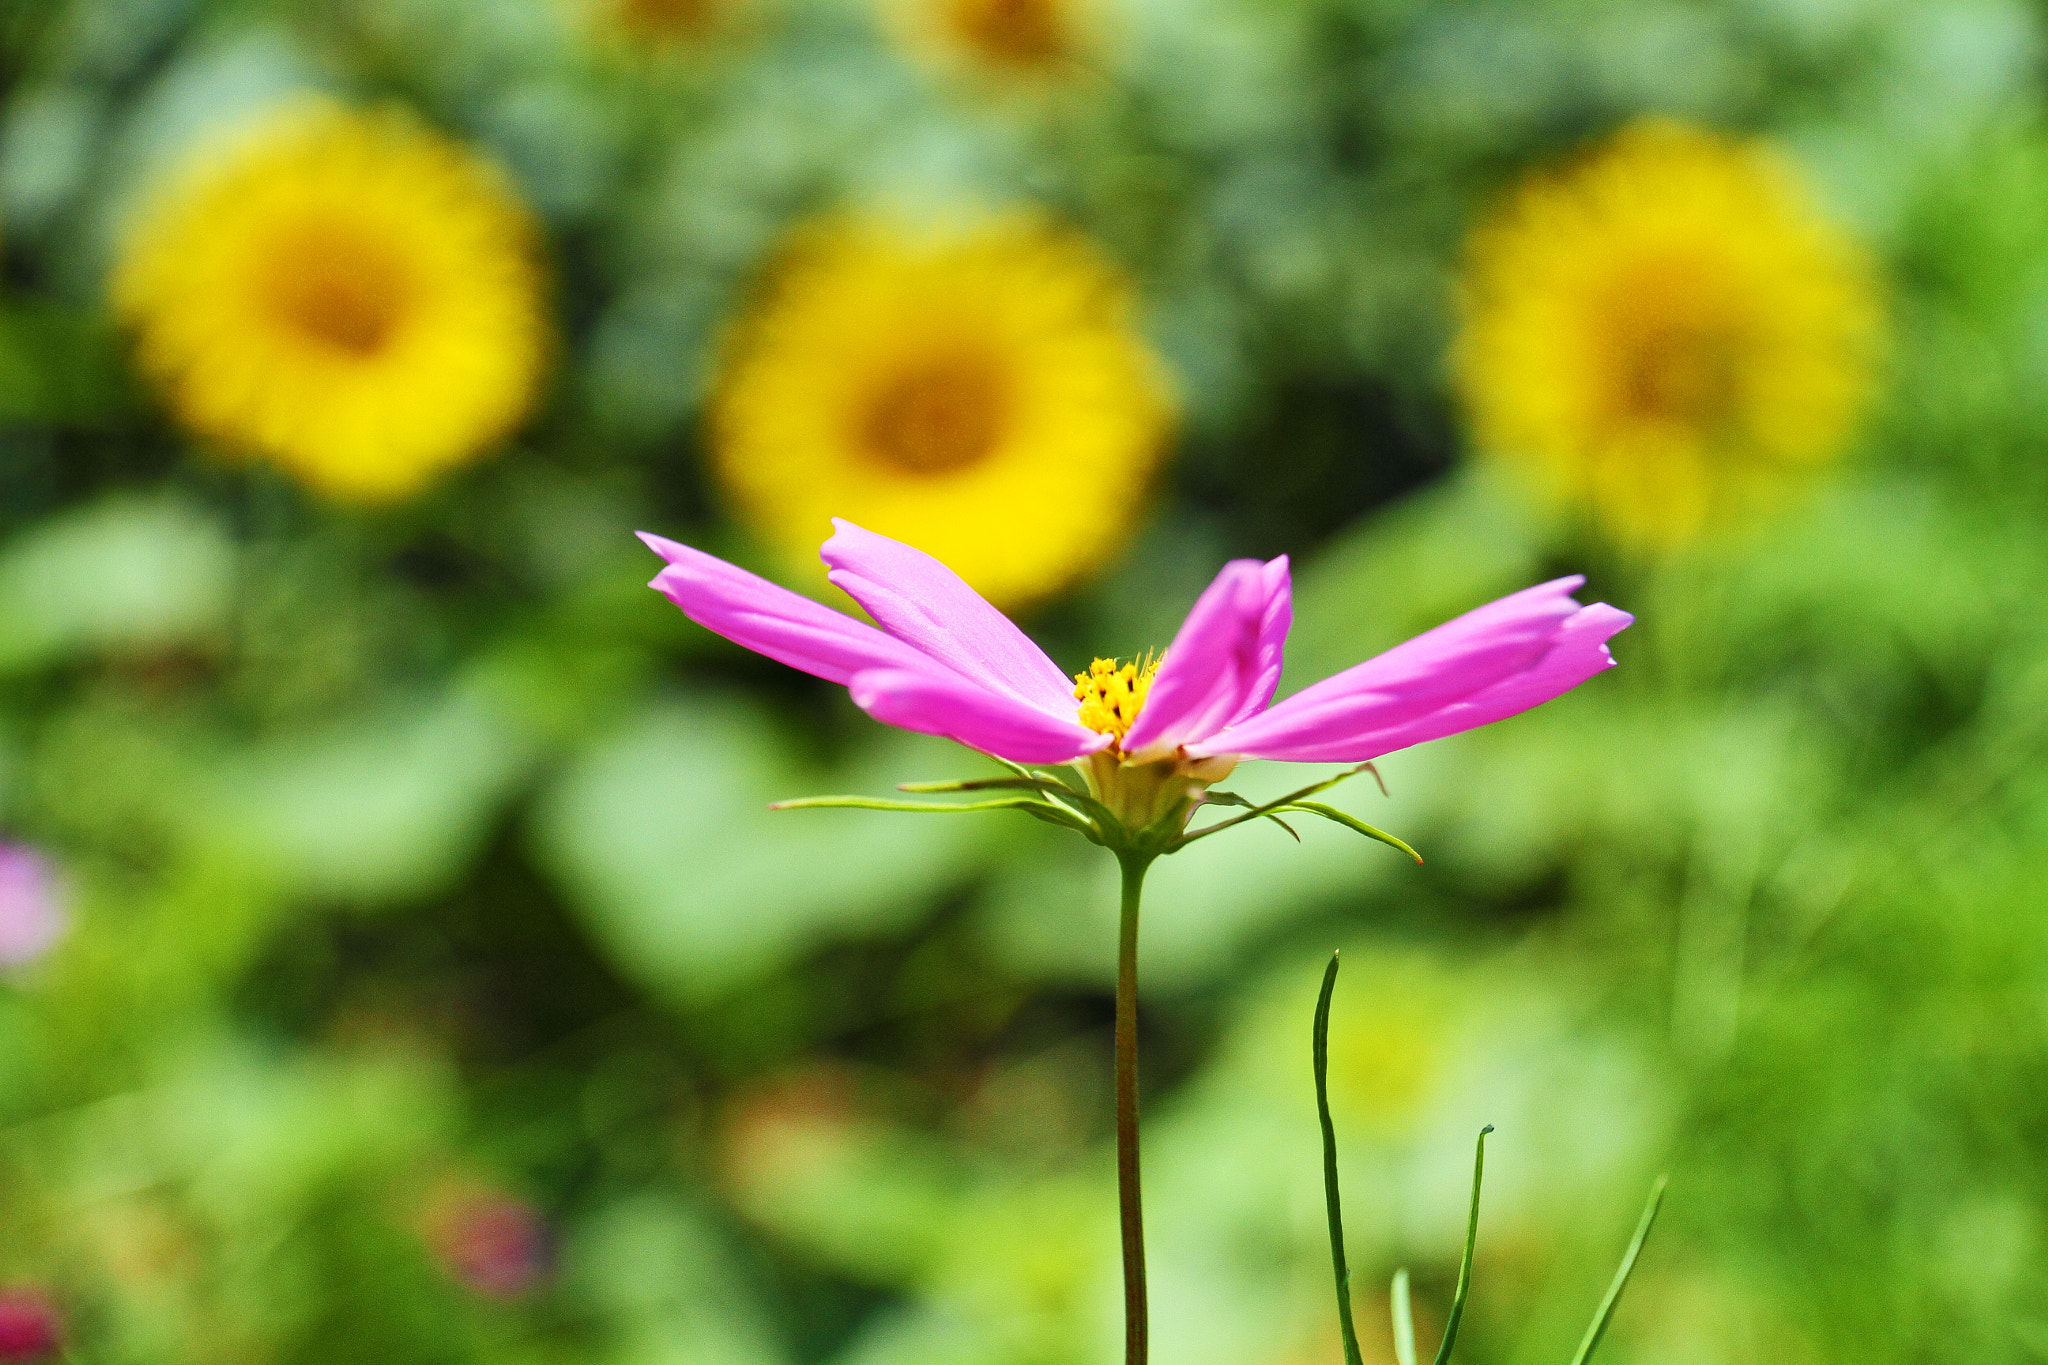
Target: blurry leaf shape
661,830
656,1270
124,574
876,1200
59,368
376,808
47,149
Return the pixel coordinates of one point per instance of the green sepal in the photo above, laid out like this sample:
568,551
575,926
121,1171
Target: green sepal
1216,798
1052,787
1255,812
1350,821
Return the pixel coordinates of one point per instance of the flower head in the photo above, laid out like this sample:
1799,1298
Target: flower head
29,1326
1002,41
1149,740
983,394
488,1241
347,295
31,911
1666,331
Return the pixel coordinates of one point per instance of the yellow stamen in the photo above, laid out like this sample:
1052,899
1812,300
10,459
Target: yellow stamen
1112,693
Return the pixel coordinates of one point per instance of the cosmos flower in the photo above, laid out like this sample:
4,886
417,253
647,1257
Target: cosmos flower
347,295
982,393
1666,332
1149,737
31,914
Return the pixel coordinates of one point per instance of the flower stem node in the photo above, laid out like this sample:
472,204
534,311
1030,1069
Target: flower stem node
1153,800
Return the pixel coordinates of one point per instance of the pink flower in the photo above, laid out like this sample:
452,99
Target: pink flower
488,1241
28,1325
31,915
942,661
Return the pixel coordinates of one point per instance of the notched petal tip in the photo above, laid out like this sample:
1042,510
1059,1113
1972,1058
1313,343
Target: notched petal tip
668,549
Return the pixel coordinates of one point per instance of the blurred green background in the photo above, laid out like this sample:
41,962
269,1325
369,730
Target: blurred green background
436,987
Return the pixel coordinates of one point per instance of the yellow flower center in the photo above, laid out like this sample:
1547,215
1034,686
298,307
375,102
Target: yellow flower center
337,286
937,417
1112,693
1022,33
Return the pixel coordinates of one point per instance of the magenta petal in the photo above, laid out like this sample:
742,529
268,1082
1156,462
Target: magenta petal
922,602
772,620
936,702
1457,659
1577,651
1223,663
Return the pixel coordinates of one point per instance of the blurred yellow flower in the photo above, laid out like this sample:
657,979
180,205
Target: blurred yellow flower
1001,39
347,295
1667,331
982,396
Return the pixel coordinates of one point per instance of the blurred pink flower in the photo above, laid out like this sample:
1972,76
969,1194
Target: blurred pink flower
489,1242
29,1328
31,914
945,662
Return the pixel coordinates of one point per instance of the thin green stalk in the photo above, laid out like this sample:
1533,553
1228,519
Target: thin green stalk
1443,1352
1320,1052
1605,1314
1130,1204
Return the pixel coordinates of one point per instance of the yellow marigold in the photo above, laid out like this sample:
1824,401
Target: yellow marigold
1667,331
1001,39
982,396
345,294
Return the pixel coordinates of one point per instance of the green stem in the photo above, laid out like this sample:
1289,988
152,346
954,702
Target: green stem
1333,1202
1130,1204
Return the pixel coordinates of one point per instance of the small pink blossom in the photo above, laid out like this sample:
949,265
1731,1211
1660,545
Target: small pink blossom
29,1327
32,916
491,1243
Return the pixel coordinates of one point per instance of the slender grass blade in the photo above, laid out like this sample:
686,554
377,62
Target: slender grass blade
1404,1321
1443,1352
1605,1314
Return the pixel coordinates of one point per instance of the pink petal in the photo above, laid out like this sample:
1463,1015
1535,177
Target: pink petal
32,916
922,602
936,702
772,620
1458,658
1224,662
1577,650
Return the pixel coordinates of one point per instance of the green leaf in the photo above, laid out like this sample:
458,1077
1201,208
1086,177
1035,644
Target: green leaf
1350,821
1605,1313
127,574
660,832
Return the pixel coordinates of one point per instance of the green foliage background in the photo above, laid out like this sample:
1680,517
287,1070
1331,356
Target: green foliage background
426,848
